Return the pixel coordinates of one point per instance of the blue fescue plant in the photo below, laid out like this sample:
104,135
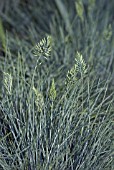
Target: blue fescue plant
55,111
47,131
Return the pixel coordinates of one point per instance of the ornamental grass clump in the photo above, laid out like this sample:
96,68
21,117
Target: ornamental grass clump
57,113
54,129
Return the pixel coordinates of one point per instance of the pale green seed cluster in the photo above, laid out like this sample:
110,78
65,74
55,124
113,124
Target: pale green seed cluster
79,67
107,33
80,63
8,82
39,99
44,47
79,9
52,92
71,75
2,35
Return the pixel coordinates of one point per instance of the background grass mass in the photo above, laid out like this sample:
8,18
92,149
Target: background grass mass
53,115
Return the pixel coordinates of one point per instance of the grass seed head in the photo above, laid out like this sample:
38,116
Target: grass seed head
44,47
8,82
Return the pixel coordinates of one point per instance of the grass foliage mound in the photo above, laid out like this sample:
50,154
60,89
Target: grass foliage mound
56,85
